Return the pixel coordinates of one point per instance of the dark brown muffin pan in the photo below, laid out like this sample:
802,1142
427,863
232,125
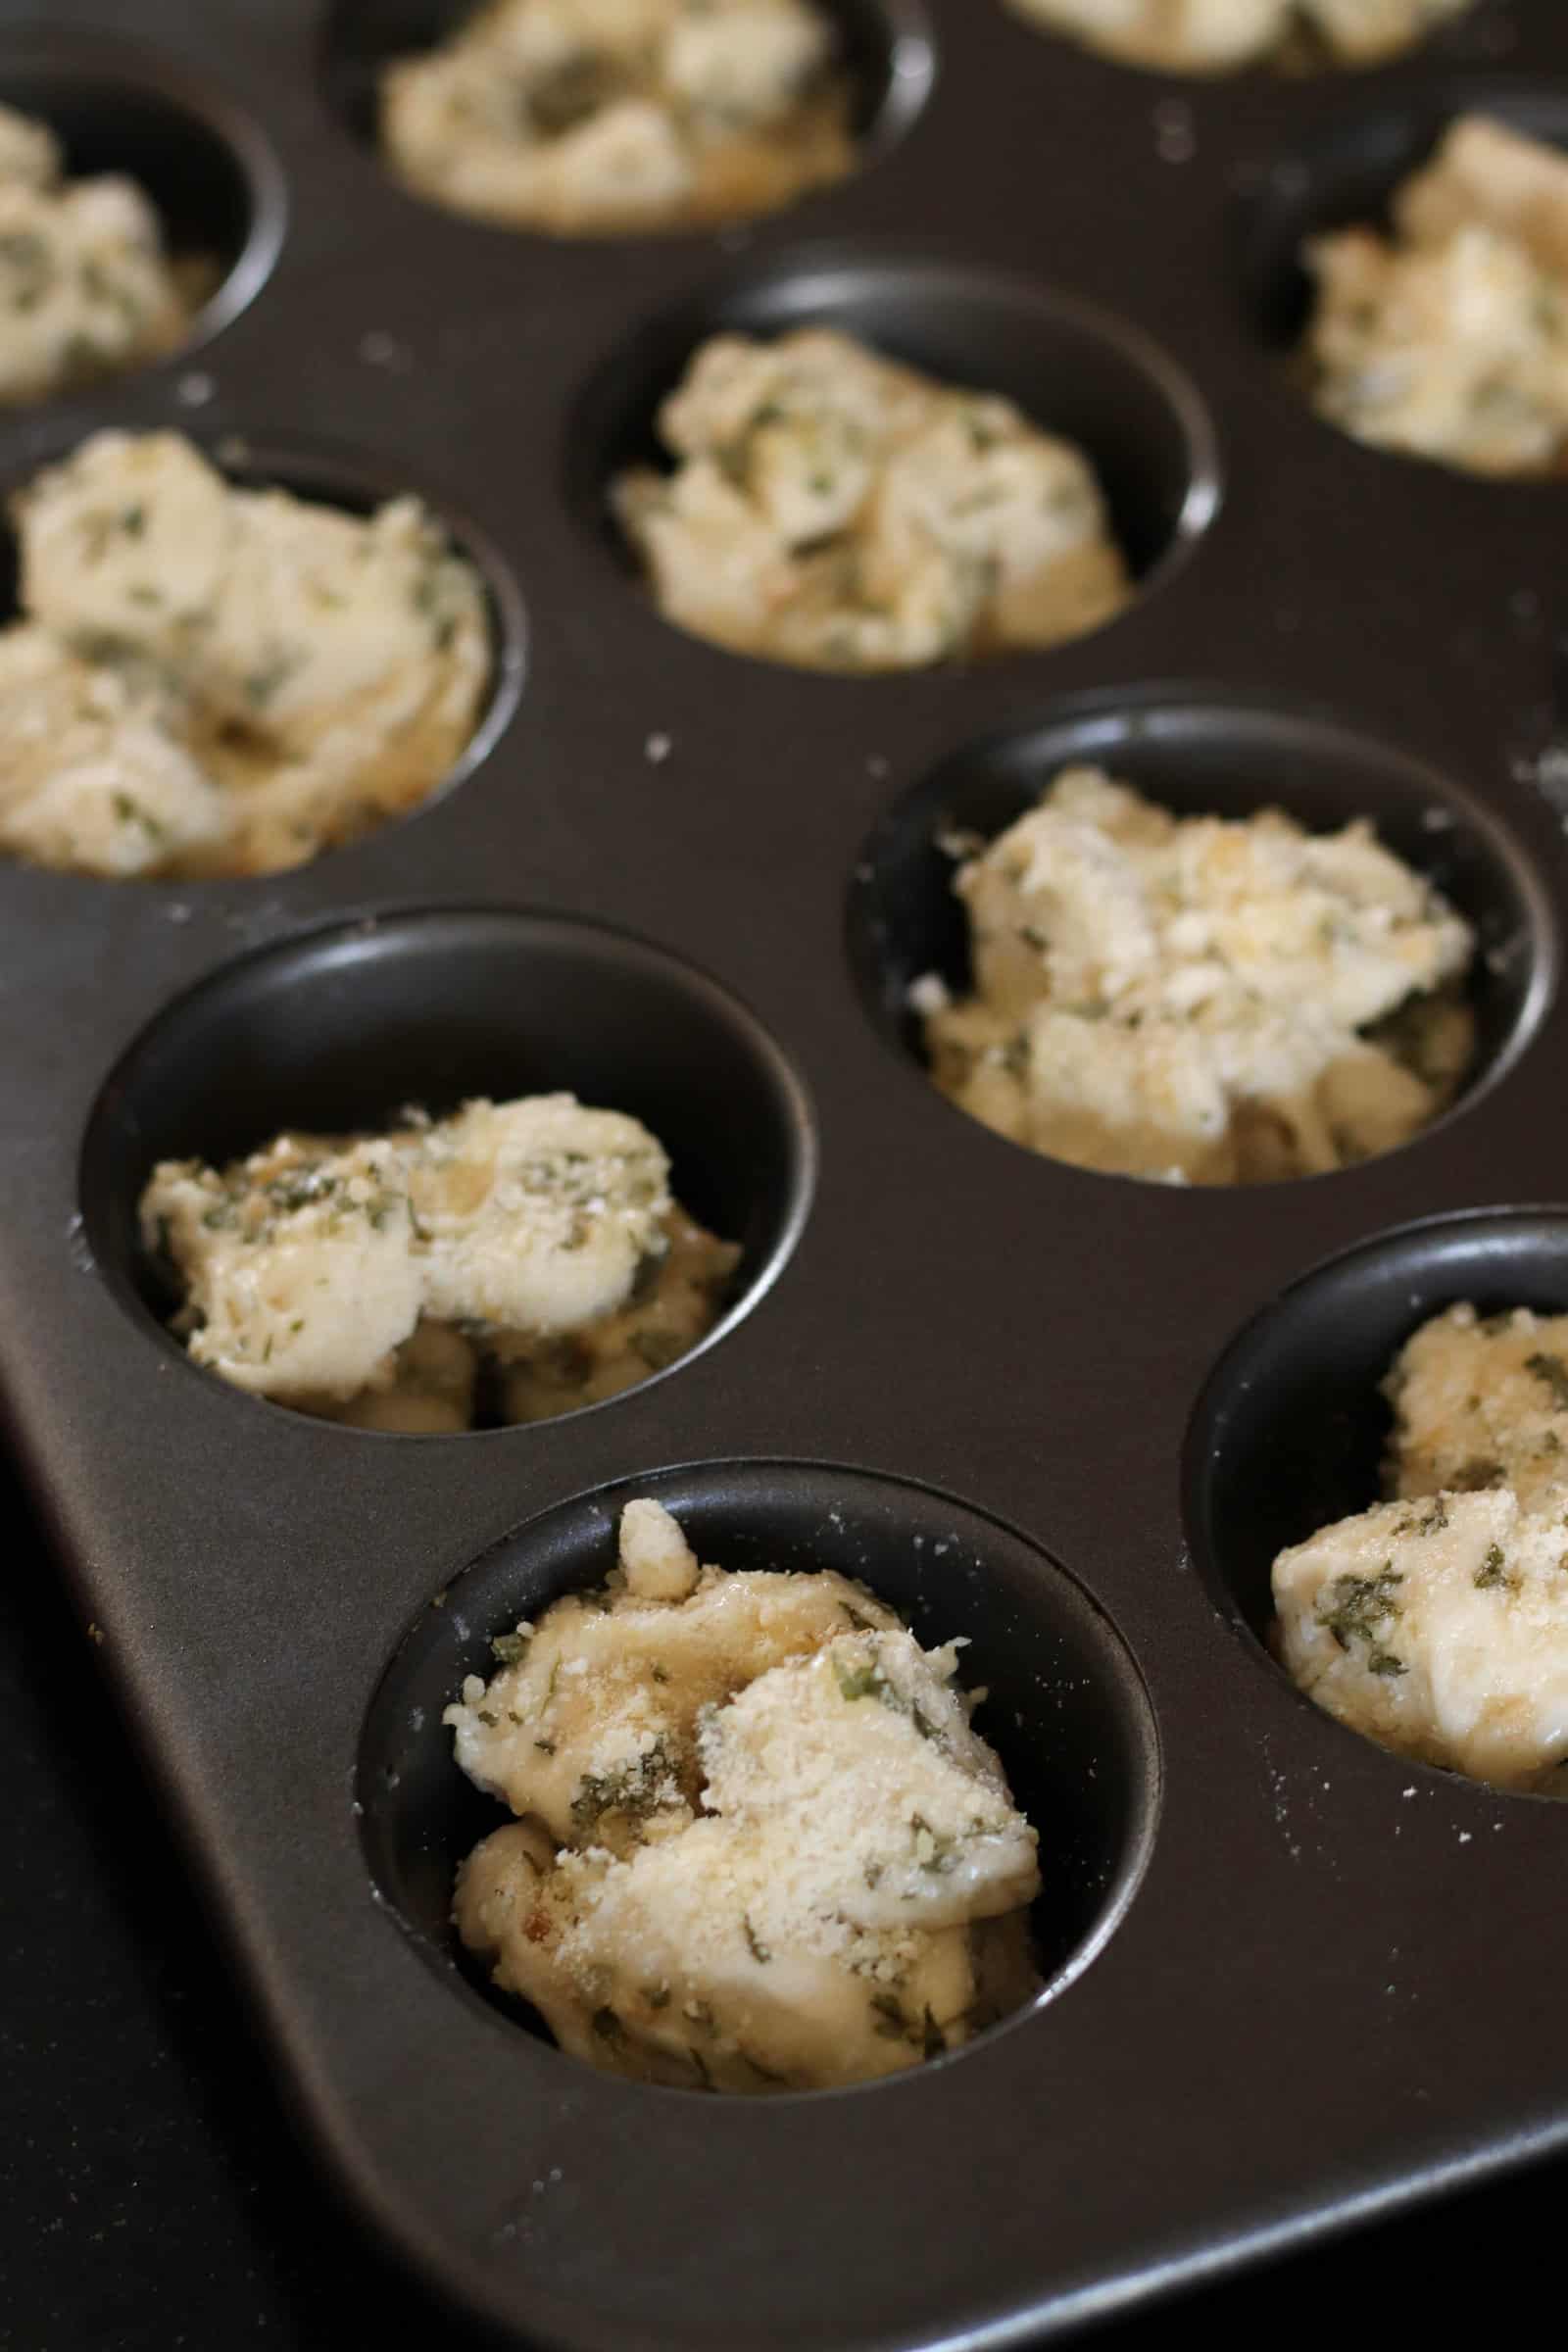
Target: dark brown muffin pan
1291,1981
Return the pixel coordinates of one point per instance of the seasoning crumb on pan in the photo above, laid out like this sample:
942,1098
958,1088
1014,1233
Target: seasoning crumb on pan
585,117
1216,36
1437,1623
514,1261
1448,339
209,680
85,286
833,509
1203,1000
760,1848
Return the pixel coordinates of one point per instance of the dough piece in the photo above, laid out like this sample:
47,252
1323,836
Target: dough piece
526,1251
92,772
760,1846
587,117
676,1296
298,1264
1202,999
832,509
536,1213
1439,1627
292,674
1449,339
1481,1403
85,289
1216,36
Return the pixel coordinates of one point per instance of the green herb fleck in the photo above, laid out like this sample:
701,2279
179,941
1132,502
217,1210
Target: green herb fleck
1552,1372
1494,1572
1359,1605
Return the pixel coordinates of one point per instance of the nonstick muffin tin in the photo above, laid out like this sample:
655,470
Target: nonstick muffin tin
1293,1981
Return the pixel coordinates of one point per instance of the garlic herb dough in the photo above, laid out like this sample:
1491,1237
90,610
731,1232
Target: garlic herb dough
86,287
521,1259
1449,338
758,1846
218,681
585,117
1216,36
1436,1624
1198,999
832,509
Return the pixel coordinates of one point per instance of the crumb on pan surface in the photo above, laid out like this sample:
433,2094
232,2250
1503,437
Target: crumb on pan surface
206,681
836,510
1437,1623
1216,36
1448,338
526,1256
758,1846
86,288
1201,999
585,117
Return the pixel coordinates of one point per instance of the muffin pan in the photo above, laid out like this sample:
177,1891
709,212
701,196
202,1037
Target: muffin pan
1291,1981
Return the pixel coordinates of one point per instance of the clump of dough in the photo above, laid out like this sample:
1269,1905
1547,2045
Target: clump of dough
532,1246
217,681
86,287
588,117
1438,1623
1198,999
758,1846
1449,338
832,509
1216,36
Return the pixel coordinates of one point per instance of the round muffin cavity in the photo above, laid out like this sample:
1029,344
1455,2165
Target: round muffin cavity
212,678
1204,940
500,1253
758,1844
1376,1486
820,1567
584,118
1441,331
1221,36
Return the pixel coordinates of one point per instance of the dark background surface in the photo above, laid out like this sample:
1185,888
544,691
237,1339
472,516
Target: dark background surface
152,2192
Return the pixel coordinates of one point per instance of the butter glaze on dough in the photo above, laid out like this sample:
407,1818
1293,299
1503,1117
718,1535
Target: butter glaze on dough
209,680
1436,1624
758,1846
377,1280
589,116
1199,1000
833,509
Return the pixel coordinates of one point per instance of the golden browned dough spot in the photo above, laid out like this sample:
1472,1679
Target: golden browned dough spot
832,509
1196,999
1217,37
1448,338
217,681
85,286
757,1845
1436,1624
516,1260
589,116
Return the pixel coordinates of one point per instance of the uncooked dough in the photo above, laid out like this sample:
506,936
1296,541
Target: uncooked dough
533,1244
758,1846
1449,338
833,509
1198,999
209,680
586,117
